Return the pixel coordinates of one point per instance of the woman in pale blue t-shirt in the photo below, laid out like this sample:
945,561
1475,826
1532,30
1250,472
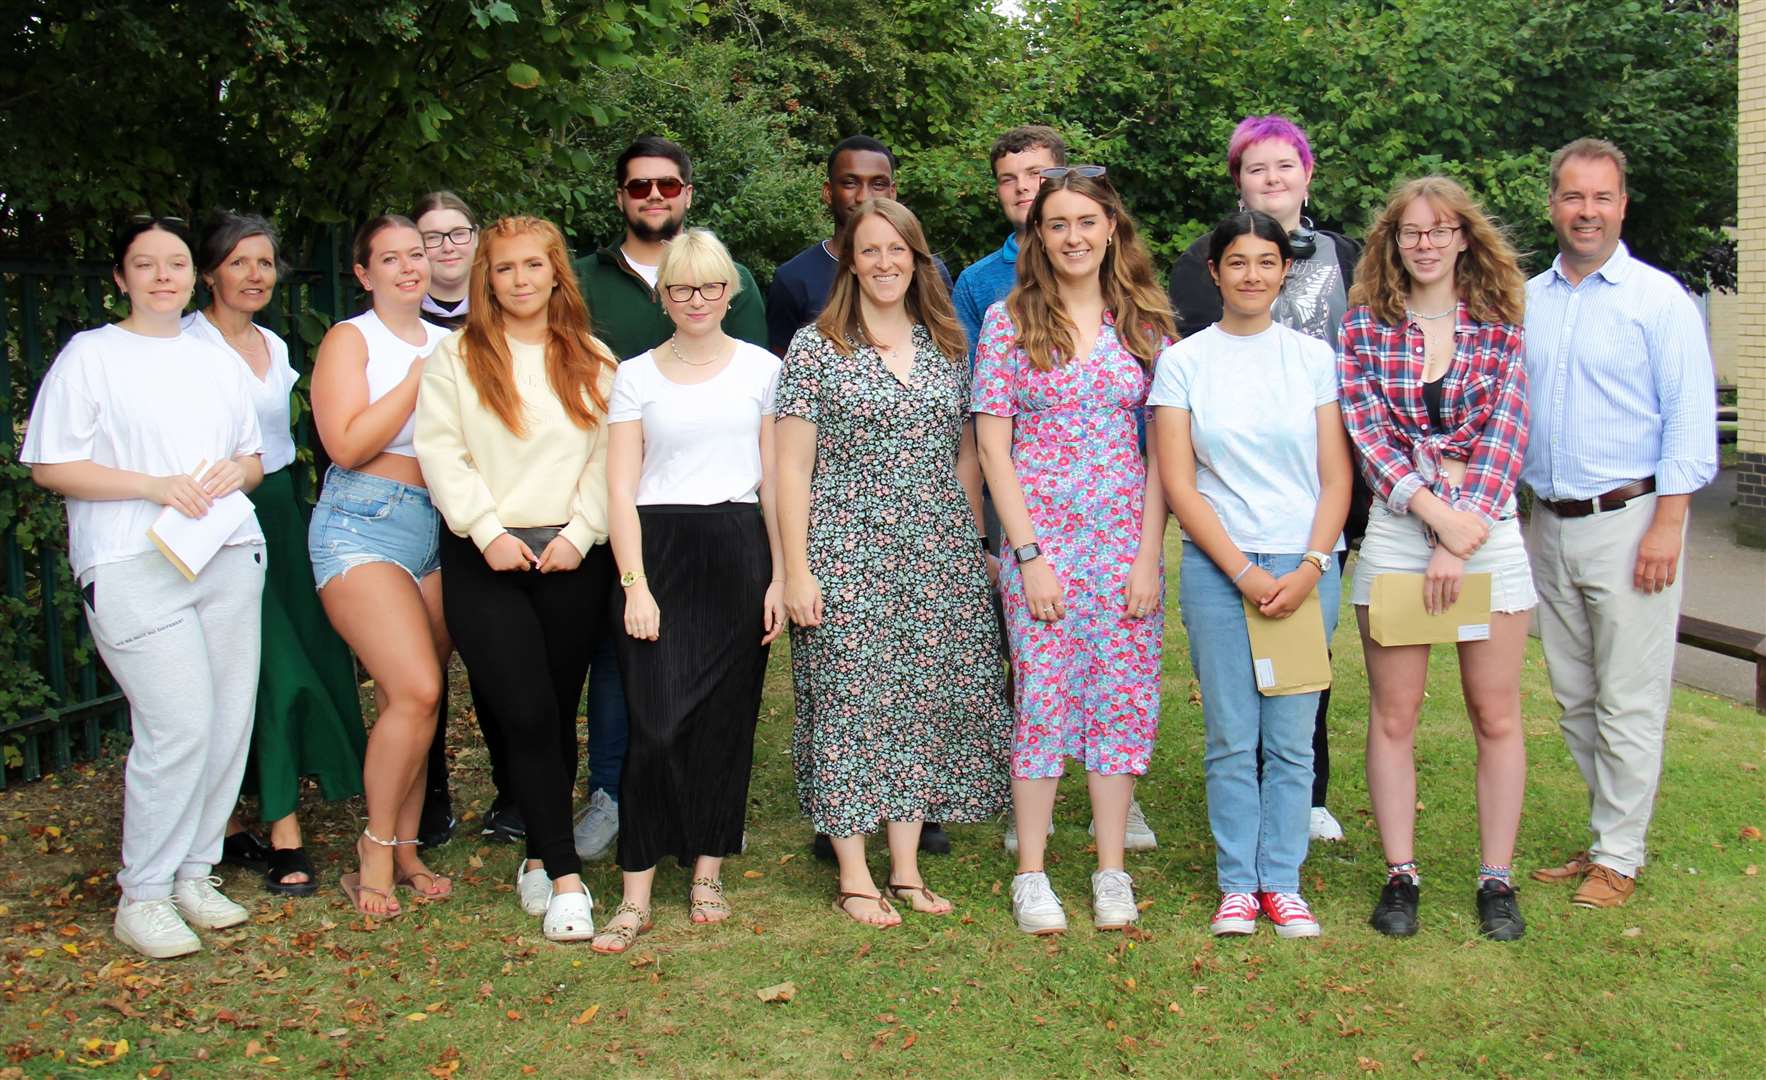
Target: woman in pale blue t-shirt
1256,465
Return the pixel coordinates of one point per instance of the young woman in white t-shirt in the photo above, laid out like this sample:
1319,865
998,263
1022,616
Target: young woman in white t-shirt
690,504
374,544
1256,466
132,418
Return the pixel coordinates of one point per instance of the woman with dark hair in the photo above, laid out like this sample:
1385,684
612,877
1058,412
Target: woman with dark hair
309,720
1061,381
1256,467
512,437
373,543
901,710
1435,396
133,418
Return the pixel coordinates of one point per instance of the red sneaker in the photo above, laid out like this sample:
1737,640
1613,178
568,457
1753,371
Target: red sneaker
1236,915
1289,913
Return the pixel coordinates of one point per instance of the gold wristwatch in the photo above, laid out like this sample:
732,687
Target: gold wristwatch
630,578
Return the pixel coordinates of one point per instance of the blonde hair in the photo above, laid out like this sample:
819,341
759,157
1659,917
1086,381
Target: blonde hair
928,301
575,361
1131,292
697,256
1487,275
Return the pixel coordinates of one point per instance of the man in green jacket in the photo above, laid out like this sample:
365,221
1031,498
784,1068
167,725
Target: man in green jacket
654,188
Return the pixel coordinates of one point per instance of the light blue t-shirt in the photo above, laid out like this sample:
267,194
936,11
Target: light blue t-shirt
1253,404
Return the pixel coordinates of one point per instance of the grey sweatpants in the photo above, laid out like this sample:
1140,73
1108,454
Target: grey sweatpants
185,654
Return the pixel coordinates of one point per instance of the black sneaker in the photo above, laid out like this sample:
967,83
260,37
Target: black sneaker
1395,914
436,826
503,823
933,839
823,847
245,848
1499,916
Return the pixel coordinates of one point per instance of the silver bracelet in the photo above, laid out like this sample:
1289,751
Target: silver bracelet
1242,573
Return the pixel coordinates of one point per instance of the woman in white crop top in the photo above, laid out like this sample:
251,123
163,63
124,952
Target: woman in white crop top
373,541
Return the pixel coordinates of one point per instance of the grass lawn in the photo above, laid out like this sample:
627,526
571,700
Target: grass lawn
1672,985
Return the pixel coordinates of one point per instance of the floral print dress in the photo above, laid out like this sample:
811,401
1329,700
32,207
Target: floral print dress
901,700
1088,684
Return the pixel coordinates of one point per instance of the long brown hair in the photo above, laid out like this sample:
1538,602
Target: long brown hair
928,301
1131,292
1487,275
575,361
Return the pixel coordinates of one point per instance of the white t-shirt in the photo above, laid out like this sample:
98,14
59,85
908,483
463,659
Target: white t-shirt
643,270
145,404
269,395
1253,404
701,442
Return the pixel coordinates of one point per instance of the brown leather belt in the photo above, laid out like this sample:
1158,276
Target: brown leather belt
1612,500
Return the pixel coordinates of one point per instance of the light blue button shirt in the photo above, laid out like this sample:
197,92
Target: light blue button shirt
1620,383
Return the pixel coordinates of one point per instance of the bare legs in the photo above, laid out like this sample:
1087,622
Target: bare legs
1033,805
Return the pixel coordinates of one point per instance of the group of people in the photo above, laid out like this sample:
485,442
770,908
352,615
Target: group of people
632,472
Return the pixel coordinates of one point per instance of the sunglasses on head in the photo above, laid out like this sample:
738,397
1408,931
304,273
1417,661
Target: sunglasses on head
667,186
1056,172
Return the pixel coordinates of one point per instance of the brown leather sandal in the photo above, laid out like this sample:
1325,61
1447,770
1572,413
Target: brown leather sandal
841,899
931,897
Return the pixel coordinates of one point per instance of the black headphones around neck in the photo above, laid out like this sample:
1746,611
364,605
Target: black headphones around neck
1303,241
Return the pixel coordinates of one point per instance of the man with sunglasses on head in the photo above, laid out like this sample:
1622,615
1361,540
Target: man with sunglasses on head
653,180
859,168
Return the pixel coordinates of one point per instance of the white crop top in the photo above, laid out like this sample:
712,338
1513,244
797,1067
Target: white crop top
389,361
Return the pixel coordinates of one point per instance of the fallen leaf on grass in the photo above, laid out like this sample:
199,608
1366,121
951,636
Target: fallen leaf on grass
586,1015
97,1053
1752,870
1751,833
417,1018
1632,931
752,874
1367,1064
783,859
779,994
913,1037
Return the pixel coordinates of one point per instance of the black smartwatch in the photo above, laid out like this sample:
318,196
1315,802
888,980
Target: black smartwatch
1029,551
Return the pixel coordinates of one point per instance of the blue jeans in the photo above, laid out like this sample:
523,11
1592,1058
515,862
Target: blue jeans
1259,829
606,716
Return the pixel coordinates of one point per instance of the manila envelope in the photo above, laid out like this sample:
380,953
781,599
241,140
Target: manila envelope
1289,656
1396,616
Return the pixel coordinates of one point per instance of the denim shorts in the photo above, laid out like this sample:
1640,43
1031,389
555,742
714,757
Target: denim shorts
362,519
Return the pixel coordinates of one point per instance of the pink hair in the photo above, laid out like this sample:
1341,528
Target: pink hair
1255,129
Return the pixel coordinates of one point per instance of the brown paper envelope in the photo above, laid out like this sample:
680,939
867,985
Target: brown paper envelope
1289,656
1396,616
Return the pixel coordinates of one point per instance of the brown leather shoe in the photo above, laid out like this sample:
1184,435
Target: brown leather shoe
1604,887
1572,870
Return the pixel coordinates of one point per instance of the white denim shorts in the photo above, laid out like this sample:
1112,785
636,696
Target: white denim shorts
1396,544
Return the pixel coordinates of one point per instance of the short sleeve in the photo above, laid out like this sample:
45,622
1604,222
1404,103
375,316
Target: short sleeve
769,382
799,388
626,402
1171,380
249,435
1321,363
996,365
64,421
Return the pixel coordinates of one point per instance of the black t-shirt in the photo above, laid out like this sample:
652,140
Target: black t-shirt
800,290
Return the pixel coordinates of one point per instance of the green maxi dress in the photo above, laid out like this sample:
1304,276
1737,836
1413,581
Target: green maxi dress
309,718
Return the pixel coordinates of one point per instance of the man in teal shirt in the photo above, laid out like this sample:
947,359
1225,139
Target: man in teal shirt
654,187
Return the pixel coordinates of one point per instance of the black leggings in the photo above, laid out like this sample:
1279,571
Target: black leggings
525,638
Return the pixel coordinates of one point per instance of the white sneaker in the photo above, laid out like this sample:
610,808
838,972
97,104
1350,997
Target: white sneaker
1035,905
1139,836
154,928
1112,900
568,917
1010,840
597,826
203,905
533,888
1323,826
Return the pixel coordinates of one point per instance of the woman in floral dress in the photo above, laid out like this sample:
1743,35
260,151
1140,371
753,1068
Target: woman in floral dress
1061,380
901,705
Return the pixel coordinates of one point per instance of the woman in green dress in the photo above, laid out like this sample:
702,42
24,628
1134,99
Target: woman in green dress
309,719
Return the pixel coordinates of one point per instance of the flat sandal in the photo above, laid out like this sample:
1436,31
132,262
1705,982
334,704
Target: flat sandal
840,899
931,897
625,935
707,907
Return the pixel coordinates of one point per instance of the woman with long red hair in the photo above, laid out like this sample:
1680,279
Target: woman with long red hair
512,436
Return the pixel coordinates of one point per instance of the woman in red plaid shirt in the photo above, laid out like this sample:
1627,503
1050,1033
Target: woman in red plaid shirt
1434,393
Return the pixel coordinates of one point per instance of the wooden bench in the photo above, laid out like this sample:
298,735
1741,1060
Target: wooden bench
1749,645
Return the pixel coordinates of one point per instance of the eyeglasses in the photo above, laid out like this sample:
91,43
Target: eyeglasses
712,291
1056,172
1439,236
458,237
666,186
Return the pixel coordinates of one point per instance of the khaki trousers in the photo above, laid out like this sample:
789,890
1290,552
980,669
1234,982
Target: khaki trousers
1610,652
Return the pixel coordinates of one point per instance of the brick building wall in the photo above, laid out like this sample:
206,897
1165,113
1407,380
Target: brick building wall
1750,330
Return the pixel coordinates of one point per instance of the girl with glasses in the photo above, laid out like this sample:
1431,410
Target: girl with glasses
1434,393
691,493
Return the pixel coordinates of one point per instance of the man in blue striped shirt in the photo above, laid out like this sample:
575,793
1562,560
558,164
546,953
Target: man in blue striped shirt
1623,397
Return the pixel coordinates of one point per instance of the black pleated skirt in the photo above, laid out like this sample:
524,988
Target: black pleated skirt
693,695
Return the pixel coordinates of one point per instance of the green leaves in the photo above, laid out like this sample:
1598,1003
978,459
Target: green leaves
523,76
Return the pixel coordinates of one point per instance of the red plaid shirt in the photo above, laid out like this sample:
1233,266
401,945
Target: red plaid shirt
1483,407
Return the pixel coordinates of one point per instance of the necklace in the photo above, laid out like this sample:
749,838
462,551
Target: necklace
676,349
1413,313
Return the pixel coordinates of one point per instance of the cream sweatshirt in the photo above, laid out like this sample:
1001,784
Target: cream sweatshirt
484,478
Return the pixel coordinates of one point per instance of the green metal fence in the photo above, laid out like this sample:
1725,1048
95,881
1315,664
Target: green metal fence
57,703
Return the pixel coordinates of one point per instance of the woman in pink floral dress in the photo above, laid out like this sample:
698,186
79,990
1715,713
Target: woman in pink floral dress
1062,373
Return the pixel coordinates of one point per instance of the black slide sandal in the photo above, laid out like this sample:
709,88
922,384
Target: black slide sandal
286,861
